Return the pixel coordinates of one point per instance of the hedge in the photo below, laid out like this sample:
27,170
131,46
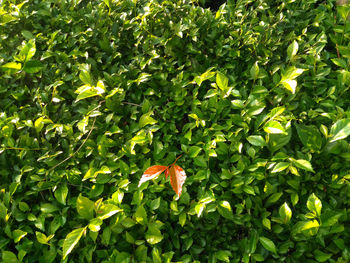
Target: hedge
253,96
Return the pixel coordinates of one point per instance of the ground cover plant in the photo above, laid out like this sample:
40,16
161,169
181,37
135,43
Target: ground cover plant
94,95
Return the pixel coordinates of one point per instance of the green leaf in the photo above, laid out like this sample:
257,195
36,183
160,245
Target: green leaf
253,241
95,224
27,51
85,207
277,141
307,228
18,235
82,125
249,189
280,167
141,215
40,123
309,136
146,119
88,91
266,223
182,219
303,164
194,151
12,65
273,198
290,84
153,234
314,204
107,210
292,50
288,77
223,255
285,213
224,209
61,193
340,62
254,71
274,127
321,256
340,130
9,257
268,244
72,240
84,75
42,238
206,75
221,81
257,140
32,66
48,208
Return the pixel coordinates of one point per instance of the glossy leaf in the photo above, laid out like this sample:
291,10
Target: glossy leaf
225,209
310,137
27,51
257,140
280,167
274,127
9,257
152,173
85,207
12,65
177,178
107,210
221,81
314,204
61,194
292,50
340,130
254,71
72,240
304,164
285,213
268,244
32,66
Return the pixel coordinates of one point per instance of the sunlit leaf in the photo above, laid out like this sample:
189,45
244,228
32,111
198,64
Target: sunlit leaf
152,173
340,130
314,204
72,240
177,178
274,127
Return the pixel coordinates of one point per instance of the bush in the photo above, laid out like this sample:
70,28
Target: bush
255,96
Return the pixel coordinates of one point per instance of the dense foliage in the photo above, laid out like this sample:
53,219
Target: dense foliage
255,96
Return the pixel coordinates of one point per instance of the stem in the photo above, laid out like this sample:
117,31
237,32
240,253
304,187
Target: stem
130,103
177,159
70,156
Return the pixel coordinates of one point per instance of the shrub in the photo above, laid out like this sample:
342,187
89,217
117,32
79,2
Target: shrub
255,96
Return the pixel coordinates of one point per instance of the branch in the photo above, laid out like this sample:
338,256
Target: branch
81,146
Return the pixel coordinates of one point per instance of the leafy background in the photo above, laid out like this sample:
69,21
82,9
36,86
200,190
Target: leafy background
255,95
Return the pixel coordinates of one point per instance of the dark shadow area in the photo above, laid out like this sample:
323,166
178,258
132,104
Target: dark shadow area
213,5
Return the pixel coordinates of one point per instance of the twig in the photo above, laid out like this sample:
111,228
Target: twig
79,186
22,149
70,156
130,103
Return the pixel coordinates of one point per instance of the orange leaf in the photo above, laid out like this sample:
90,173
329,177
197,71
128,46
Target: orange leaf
177,178
166,173
151,173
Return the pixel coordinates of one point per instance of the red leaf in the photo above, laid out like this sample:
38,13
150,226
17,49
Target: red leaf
166,173
151,173
177,178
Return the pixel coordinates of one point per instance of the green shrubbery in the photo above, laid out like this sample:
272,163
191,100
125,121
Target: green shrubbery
255,96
